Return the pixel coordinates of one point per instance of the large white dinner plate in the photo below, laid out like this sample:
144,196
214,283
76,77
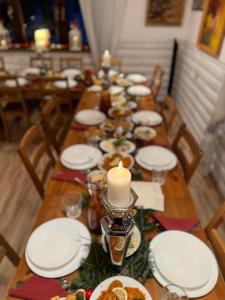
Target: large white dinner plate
156,158
90,117
108,146
137,78
31,71
139,90
115,89
70,73
44,249
126,281
80,157
62,84
191,292
12,83
110,74
75,263
147,117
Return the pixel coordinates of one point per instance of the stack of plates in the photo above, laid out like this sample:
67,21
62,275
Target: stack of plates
58,247
90,117
147,117
182,259
137,78
62,84
70,73
138,90
156,158
12,83
80,157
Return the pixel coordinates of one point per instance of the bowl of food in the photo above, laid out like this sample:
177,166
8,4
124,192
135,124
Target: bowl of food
111,160
119,112
94,135
144,133
110,125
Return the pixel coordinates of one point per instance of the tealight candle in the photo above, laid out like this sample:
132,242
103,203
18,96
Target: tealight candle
118,186
106,59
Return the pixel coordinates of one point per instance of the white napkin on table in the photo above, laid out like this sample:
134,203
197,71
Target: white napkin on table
150,195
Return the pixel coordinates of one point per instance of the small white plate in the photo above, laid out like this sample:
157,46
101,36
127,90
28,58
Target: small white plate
108,146
76,262
137,78
138,90
110,74
140,129
31,71
126,281
131,105
61,84
95,88
90,117
12,83
115,90
70,73
147,118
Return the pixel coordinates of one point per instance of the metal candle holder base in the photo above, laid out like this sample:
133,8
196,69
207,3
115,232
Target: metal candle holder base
106,75
117,227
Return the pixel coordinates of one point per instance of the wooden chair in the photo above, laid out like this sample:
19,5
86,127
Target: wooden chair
188,151
7,250
37,61
215,238
71,62
33,150
2,64
168,110
54,124
12,103
156,81
116,63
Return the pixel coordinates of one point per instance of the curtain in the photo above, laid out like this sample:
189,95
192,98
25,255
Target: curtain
103,21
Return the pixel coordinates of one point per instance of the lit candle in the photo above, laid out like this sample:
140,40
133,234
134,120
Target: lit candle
118,186
41,38
106,59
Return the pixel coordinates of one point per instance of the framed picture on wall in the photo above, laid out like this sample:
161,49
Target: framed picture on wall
165,12
212,27
198,5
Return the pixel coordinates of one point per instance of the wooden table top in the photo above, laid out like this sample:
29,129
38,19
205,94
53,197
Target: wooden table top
177,198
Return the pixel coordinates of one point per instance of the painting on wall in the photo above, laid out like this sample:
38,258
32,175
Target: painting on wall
212,27
165,12
198,5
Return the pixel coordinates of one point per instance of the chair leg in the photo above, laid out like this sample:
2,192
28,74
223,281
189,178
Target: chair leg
7,131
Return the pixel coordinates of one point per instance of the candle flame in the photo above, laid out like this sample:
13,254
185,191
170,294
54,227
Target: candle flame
120,165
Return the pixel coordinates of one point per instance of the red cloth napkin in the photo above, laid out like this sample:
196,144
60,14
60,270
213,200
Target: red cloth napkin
71,176
77,126
176,223
38,288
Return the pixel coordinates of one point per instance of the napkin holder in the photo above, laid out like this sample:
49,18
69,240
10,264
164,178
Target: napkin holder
117,227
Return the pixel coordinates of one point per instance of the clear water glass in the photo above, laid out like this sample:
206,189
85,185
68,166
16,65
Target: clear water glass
159,176
172,292
71,204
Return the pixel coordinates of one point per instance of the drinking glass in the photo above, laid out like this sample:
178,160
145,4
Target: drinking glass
159,176
72,204
172,292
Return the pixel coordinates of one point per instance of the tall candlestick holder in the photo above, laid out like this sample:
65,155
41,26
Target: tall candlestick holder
106,69
117,227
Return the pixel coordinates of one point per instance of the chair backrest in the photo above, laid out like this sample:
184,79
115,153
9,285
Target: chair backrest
53,121
188,151
71,62
38,61
156,81
217,242
168,111
7,250
116,63
2,64
33,150
10,93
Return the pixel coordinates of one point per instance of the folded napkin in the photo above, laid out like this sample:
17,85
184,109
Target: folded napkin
71,176
150,195
38,288
77,126
176,223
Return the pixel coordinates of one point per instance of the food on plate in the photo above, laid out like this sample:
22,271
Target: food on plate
117,291
117,145
123,82
111,125
120,112
95,133
112,160
144,133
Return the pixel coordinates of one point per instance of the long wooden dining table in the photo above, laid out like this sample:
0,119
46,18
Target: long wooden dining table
177,198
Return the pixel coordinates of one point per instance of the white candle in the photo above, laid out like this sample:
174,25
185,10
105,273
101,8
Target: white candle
41,38
118,186
106,59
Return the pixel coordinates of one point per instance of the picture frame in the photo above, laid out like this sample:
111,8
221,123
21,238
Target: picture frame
198,4
212,27
164,13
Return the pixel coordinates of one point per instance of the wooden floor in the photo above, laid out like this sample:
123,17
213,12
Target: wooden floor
19,203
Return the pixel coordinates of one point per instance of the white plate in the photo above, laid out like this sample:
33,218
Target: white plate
139,90
123,82
62,84
195,292
32,71
44,249
127,282
100,165
110,74
80,157
157,158
137,78
107,146
140,129
115,90
76,262
70,73
12,83
95,88
90,117
136,235
147,117
131,105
